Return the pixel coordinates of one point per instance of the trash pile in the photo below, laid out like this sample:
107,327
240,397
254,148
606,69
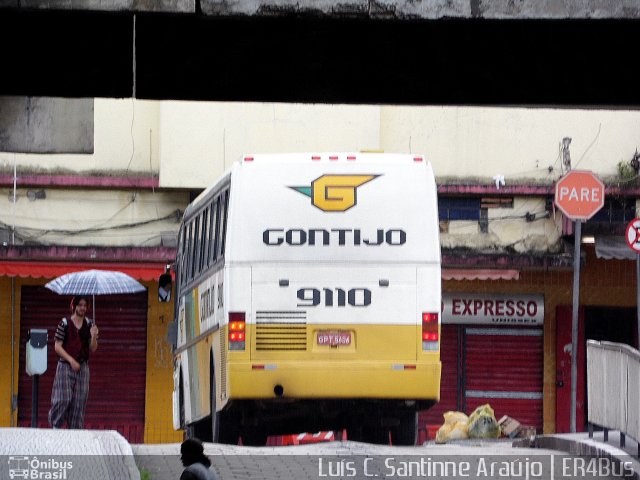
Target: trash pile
481,423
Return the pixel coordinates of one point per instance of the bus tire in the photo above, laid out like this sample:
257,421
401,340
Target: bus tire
407,431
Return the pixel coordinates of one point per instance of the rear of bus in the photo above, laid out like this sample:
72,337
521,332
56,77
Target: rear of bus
333,263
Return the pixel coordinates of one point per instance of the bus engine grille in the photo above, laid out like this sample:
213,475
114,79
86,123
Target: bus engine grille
281,331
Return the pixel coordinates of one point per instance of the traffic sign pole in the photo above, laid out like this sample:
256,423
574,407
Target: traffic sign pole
574,322
632,236
579,195
638,297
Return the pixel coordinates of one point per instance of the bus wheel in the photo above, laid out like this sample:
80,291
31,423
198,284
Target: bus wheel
407,431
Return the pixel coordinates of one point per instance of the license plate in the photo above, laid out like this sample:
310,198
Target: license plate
334,338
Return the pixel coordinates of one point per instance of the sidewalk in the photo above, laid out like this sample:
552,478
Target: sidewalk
581,444
47,453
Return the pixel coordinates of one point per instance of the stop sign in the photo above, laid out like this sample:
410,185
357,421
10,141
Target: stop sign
579,194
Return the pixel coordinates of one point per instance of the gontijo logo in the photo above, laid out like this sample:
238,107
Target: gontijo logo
334,193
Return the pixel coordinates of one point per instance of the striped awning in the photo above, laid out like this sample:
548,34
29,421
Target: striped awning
139,271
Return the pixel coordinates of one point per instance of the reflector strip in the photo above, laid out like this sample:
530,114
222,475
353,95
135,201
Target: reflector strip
351,157
315,158
248,159
333,157
417,159
403,367
264,367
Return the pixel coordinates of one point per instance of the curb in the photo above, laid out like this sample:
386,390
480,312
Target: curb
586,447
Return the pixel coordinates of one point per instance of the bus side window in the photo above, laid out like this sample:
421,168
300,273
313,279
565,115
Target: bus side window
223,214
204,240
196,247
212,233
187,254
180,257
217,230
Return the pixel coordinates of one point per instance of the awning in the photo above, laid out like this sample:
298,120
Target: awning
479,274
140,271
613,248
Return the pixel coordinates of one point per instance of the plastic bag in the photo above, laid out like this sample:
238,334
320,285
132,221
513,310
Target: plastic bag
453,428
482,423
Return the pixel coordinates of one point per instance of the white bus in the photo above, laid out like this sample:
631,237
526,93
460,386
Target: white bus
308,298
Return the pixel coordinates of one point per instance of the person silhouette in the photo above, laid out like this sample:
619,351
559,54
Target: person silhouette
197,464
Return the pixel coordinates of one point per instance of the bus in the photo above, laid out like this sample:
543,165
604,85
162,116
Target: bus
308,298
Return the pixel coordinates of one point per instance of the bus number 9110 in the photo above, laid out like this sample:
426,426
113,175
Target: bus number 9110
337,297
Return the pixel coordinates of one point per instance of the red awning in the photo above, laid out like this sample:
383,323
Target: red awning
479,274
139,271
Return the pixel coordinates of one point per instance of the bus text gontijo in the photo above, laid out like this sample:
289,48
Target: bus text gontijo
308,298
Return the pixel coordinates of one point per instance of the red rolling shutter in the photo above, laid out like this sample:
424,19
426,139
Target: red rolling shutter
118,368
504,367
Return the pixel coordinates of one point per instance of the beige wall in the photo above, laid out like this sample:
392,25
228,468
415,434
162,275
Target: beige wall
514,142
201,140
191,143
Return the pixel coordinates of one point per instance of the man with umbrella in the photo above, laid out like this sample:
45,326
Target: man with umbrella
75,340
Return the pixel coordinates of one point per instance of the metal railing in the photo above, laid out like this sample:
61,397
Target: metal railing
613,389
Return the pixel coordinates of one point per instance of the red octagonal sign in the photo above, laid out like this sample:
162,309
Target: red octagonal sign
579,194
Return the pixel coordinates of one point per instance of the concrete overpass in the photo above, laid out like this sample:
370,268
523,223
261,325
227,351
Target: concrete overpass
358,51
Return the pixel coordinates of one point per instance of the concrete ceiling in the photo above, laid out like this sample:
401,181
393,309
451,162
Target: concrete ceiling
318,58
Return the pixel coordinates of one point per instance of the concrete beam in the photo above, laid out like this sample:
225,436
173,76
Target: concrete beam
431,9
372,9
165,6
46,125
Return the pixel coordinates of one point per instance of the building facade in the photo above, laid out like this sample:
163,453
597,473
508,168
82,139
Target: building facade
503,241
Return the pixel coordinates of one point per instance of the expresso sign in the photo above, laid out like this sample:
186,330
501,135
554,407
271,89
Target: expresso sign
492,309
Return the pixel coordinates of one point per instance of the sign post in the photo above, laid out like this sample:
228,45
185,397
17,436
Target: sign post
579,195
632,237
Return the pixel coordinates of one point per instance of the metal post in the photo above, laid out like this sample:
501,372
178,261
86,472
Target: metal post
638,301
34,400
574,322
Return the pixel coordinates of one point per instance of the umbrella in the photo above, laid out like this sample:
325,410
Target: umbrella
94,282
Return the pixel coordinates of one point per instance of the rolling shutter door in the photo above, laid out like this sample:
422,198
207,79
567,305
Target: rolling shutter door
118,368
504,367
449,379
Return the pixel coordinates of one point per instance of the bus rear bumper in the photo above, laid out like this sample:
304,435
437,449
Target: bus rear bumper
309,380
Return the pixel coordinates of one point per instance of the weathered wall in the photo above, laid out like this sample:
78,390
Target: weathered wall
46,125
126,141
86,217
172,6
508,228
403,9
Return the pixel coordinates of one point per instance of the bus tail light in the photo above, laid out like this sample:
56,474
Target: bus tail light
236,331
430,336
